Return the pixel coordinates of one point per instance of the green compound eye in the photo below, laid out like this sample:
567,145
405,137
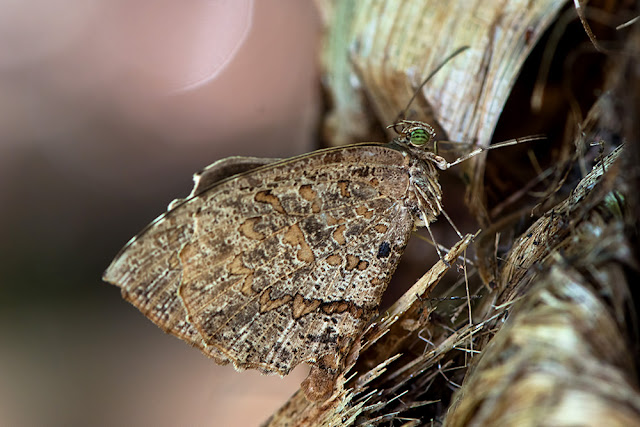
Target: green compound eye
419,137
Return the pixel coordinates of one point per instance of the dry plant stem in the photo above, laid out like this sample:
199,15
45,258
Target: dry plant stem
544,234
586,26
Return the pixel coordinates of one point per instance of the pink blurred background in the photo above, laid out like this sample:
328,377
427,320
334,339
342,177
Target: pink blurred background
107,107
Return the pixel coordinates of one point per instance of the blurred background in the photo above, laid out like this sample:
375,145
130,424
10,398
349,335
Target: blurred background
107,109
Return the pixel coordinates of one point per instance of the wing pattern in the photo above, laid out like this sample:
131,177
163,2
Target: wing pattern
280,265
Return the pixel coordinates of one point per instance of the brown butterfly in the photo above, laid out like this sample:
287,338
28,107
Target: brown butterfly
285,262
271,263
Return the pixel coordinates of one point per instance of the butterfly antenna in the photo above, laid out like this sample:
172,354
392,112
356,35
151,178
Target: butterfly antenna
403,113
508,143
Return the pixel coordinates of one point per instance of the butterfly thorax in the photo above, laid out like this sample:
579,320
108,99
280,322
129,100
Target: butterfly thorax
423,196
417,141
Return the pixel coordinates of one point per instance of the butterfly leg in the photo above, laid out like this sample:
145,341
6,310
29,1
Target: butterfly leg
430,208
433,239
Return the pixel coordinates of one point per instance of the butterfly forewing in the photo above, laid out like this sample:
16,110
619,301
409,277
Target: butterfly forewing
278,265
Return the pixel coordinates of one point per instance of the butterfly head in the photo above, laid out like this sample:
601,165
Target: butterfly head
420,138
415,133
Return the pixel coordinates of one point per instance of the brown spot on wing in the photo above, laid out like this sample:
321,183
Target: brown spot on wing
336,307
355,311
381,228
352,262
338,234
302,306
246,285
376,282
247,229
344,188
267,197
334,260
365,212
294,237
236,266
331,220
307,192
268,304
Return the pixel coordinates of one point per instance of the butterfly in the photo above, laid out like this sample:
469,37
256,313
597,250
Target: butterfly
271,263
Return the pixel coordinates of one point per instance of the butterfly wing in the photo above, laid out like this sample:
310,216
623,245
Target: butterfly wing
276,266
